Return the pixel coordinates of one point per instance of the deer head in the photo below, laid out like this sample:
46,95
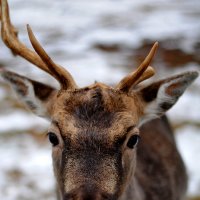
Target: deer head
94,130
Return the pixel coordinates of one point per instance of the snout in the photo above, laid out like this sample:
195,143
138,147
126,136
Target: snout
87,193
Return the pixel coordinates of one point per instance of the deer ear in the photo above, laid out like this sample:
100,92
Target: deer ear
160,96
33,94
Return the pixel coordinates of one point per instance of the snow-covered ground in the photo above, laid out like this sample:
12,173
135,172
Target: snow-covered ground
93,39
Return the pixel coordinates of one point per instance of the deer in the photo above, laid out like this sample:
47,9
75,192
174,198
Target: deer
108,142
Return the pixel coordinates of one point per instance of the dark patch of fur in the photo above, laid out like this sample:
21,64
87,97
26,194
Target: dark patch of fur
166,105
150,92
94,111
41,90
94,140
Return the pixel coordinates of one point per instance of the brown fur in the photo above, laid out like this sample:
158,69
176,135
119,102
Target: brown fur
161,173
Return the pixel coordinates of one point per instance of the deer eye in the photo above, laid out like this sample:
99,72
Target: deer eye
53,138
133,140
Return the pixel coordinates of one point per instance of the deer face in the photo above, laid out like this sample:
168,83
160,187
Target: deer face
94,137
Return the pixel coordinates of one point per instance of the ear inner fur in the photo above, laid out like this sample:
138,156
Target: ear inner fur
34,94
160,96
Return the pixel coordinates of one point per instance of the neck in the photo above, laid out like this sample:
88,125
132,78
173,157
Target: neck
133,191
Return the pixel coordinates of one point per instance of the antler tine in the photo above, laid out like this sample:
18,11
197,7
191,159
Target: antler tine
13,30
146,75
58,72
9,36
132,79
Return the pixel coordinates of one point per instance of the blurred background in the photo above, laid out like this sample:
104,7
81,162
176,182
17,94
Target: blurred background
99,40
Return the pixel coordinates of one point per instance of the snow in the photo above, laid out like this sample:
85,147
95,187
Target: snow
188,141
19,120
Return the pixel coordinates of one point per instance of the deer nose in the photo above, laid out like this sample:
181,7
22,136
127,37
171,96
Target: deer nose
77,195
85,193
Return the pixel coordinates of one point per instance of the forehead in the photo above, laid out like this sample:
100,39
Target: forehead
97,107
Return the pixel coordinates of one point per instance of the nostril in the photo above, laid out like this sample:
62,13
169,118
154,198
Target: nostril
92,195
89,198
80,196
87,193
69,197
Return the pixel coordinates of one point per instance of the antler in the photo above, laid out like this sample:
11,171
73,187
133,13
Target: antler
147,74
143,72
40,59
